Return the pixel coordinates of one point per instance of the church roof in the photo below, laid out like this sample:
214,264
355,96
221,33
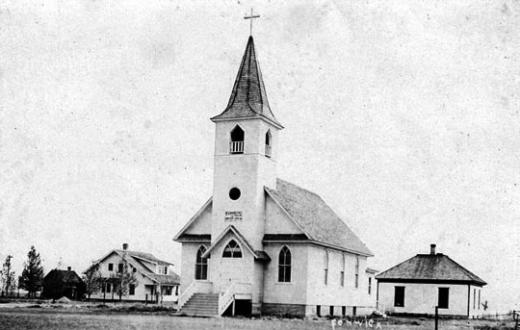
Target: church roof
316,219
430,267
248,97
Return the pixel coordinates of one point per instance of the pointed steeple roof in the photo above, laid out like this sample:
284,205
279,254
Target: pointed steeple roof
248,97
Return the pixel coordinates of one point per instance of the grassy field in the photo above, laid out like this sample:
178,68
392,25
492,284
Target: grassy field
70,318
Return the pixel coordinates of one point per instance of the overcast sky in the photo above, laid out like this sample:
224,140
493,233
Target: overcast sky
403,116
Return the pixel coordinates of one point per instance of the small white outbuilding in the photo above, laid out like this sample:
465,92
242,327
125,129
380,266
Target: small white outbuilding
426,281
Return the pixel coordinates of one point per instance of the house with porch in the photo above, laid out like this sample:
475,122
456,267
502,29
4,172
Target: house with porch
261,244
145,277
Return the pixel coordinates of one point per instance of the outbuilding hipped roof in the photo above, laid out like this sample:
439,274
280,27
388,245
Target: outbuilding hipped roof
318,221
430,267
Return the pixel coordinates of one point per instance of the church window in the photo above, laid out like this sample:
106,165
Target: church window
356,277
342,272
232,250
268,143
370,285
234,193
284,265
236,145
478,299
201,265
326,268
399,296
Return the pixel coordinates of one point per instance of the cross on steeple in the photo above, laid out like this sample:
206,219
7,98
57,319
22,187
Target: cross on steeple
251,18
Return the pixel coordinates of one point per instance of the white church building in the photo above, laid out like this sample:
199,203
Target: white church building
261,244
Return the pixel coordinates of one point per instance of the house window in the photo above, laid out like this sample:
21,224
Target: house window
342,278
120,268
399,296
284,265
268,140
201,265
318,310
110,267
232,250
165,270
444,298
134,269
331,310
236,145
370,285
176,290
109,287
343,311
168,291
131,289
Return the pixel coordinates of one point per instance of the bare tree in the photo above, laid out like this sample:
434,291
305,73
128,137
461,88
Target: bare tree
124,278
32,274
92,279
7,276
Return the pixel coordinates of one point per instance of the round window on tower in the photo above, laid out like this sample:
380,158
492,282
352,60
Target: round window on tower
234,193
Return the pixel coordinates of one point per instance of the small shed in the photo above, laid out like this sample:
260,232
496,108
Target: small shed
421,283
63,283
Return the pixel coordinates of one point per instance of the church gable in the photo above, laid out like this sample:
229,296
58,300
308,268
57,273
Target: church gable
277,221
199,225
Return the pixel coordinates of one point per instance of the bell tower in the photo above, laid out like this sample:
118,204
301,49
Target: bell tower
246,146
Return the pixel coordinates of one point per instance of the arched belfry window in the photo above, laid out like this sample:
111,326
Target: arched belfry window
284,265
232,250
268,143
201,265
236,145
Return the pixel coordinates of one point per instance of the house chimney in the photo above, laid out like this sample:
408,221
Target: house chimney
432,249
69,269
125,246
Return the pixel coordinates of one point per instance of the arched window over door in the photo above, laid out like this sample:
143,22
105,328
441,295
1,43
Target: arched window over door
232,250
284,265
236,145
201,265
268,143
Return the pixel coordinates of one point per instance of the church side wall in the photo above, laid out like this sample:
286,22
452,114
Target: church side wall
333,293
294,292
421,298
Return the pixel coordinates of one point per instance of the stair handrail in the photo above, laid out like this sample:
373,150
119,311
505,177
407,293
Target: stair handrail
186,294
226,298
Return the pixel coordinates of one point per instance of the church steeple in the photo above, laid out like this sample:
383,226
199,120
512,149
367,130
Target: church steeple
248,98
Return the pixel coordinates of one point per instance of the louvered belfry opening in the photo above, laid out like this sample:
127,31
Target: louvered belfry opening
236,145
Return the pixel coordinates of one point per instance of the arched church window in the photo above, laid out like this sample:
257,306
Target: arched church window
236,145
268,143
201,265
284,265
232,250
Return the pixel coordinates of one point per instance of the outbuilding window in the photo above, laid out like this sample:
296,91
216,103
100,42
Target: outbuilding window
399,296
284,265
232,250
444,298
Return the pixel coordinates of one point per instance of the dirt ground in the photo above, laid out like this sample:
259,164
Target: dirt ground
70,317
